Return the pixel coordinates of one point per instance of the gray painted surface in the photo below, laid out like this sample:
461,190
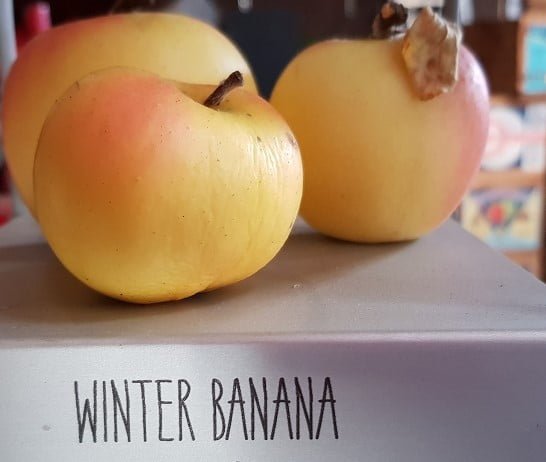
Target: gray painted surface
433,350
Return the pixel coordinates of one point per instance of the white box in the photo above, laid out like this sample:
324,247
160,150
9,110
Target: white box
433,350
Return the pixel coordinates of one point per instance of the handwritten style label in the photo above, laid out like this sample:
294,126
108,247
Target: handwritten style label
253,408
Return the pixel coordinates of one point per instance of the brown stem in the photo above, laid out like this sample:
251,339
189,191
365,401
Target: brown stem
392,14
234,80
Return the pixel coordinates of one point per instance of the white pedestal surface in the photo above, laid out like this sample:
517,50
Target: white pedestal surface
433,350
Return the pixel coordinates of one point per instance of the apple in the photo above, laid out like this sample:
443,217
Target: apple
150,190
391,131
172,46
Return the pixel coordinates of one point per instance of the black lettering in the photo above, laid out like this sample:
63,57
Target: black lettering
255,405
217,409
307,408
160,403
183,410
236,398
142,384
92,419
282,397
104,412
118,407
327,397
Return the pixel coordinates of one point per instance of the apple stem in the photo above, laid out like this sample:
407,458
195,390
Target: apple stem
392,14
234,80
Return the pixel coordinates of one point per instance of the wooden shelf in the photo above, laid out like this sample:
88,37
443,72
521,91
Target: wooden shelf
508,179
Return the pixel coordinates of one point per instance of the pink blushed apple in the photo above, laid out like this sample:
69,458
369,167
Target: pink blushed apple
384,159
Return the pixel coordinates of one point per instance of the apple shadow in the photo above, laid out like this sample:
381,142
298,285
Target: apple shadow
35,288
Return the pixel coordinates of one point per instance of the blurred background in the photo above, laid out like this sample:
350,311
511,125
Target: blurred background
506,204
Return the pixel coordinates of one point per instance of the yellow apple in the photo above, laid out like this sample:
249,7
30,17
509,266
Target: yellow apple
149,191
172,46
384,159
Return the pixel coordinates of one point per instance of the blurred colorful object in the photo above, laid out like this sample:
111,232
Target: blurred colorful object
534,59
506,219
505,207
36,19
504,142
517,138
533,153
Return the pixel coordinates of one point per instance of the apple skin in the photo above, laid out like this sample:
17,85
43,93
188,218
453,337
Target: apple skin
146,195
380,164
173,46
